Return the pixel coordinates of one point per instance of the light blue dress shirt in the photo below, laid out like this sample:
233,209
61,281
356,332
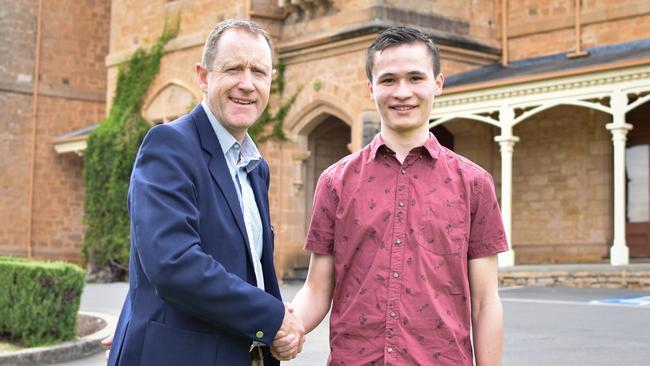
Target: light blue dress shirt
242,159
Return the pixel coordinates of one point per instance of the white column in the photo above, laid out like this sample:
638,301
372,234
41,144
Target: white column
506,143
619,252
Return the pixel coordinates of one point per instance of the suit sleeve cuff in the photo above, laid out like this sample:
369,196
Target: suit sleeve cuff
267,332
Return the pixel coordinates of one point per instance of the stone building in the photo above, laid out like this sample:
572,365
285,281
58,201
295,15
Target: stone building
535,97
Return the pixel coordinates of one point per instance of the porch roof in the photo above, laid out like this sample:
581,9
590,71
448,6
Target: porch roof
539,66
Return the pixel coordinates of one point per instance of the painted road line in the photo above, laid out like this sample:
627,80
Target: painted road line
510,288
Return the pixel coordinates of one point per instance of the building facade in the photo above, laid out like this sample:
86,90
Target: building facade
52,81
536,97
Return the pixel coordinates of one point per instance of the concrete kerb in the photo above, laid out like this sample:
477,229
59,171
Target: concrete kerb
67,351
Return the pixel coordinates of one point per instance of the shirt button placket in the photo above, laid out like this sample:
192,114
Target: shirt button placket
393,338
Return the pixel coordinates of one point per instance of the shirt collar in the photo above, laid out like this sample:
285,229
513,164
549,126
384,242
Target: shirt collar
432,146
249,155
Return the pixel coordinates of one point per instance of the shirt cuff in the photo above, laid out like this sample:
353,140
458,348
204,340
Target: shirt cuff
319,247
487,249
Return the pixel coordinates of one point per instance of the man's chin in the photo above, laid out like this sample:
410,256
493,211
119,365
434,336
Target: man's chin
242,121
405,125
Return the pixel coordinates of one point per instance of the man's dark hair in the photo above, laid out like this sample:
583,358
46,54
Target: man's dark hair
399,35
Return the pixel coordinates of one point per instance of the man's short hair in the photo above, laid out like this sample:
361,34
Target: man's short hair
399,35
210,48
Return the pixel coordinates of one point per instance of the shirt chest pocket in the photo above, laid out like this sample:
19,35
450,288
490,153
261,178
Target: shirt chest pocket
442,227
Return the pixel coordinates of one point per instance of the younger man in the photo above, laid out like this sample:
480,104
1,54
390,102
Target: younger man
405,232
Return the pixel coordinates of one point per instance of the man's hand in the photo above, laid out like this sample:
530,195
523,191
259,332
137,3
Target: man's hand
290,337
108,343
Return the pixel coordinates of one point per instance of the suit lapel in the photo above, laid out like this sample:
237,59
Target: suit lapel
219,169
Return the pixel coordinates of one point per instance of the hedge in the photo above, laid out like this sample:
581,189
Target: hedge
39,301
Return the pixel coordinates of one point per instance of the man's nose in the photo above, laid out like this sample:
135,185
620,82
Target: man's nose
403,90
246,81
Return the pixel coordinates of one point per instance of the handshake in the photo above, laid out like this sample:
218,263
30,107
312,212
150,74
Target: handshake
290,337
286,344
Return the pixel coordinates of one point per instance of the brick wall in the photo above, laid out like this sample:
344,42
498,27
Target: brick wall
18,26
58,184
74,44
135,23
538,28
15,152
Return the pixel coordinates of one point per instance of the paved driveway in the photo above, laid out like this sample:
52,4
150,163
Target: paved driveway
565,326
543,326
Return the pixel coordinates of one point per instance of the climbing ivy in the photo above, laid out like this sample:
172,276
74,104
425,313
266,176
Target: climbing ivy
109,159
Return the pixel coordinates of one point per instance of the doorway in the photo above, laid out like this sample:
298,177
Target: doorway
327,144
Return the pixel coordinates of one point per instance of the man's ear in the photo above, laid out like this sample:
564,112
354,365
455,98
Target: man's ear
372,94
202,74
440,81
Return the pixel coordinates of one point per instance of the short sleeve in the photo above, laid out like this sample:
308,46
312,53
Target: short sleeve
320,237
487,234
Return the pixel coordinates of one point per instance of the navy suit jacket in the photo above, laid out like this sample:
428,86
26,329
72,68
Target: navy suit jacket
192,296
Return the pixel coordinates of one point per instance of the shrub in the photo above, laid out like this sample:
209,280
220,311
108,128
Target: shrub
39,300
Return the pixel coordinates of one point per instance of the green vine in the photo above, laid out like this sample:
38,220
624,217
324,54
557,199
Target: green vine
260,130
109,159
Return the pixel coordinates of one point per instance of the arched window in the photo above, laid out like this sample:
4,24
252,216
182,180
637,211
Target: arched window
169,103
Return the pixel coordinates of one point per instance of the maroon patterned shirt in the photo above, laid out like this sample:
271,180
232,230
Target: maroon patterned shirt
401,236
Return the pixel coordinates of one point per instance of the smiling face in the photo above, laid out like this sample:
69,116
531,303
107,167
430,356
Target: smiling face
403,87
237,86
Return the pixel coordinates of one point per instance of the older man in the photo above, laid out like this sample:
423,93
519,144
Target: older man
203,290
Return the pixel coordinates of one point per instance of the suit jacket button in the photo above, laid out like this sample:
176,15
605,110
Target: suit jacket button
259,334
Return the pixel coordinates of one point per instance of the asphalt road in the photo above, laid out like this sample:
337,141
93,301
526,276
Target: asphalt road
543,326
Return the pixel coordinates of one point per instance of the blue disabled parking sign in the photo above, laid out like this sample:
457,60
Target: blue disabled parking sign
640,301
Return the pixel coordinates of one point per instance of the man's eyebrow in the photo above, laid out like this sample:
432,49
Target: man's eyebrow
260,67
386,74
410,73
237,64
228,64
